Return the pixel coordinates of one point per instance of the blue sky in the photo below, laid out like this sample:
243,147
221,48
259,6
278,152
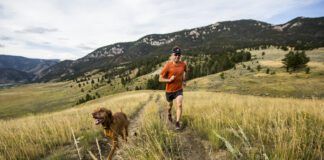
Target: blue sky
315,9
70,29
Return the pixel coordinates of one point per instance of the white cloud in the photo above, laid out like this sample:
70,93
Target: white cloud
37,30
71,29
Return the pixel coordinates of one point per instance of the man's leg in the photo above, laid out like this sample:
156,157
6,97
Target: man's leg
170,104
179,107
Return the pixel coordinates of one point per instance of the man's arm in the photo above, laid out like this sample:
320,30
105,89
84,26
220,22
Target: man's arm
163,73
161,79
184,75
184,79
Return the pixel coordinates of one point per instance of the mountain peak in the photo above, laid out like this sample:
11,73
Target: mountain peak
215,38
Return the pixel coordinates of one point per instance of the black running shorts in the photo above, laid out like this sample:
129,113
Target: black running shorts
170,96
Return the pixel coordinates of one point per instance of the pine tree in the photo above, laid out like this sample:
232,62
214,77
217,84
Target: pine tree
222,75
268,71
259,67
295,60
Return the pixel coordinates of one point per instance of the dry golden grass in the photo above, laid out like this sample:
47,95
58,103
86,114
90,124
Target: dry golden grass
269,63
248,127
34,137
258,128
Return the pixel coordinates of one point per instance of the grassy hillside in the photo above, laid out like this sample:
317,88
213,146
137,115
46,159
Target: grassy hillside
20,101
246,79
47,97
34,98
245,127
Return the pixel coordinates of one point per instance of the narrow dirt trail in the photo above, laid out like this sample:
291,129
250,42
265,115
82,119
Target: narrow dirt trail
135,120
191,146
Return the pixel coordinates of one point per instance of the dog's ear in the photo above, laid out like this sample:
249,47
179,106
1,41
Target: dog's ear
109,114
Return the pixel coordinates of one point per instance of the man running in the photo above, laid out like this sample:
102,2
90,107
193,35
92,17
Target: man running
173,74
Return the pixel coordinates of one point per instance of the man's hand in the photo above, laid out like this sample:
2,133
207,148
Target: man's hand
171,78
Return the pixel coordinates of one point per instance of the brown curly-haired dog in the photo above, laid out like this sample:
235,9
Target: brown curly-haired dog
113,125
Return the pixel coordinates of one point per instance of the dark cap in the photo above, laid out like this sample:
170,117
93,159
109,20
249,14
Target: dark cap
176,50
